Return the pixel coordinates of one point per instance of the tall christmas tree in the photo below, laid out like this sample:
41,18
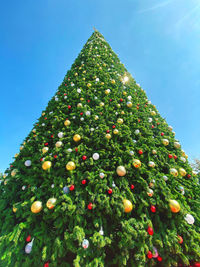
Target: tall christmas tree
100,180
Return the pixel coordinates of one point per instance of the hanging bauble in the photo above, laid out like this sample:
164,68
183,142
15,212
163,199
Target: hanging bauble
180,239
88,113
51,203
150,192
36,207
107,91
14,172
153,209
174,206
101,175
121,171
14,209
101,232
66,189
67,122
108,136
127,205
45,149
136,163
189,219
182,172
165,178
165,142
60,134
129,97
70,166
85,243
131,153
120,121
101,104
76,138
28,247
113,81
153,113
95,156
79,105
59,144
27,163
173,172
46,165
28,239
115,131
154,152
151,164
150,230
79,90
155,252
96,117
129,104
149,255
170,128
150,120
89,85
177,145
137,131
183,159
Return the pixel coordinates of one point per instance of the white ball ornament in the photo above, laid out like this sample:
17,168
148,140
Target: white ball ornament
58,144
60,134
189,219
27,163
177,145
170,128
95,156
151,164
79,90
150,120
131,153
129,97
101,175
82,119
69,150
137,132
85,243
87,113
165,178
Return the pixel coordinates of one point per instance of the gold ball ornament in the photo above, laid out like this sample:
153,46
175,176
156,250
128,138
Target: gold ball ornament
16,155
174,172
182,172
120,121
107,91
108,136
101,104
165,142
96,117
153,113
154,152
174,206
21,147
177,145
76,138
127,205
129,104
76,74
67,122
51,203
113,81
79,105
170,128
45,149
122,112
13,172
121,171
36,207
14,209
59,144
124,93
46,165
89,85
115,131
136,163
71,166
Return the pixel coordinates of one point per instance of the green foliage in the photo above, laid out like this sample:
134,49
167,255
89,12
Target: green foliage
59,232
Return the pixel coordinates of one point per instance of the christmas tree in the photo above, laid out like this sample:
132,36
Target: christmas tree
100,180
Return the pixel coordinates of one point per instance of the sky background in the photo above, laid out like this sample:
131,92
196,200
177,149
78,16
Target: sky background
157,40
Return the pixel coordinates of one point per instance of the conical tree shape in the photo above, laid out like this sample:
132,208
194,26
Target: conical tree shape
121,190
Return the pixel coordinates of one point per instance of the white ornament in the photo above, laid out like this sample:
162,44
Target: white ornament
74,117
79,90
59,144
183,159
113,185
95,156
85,243
101,175
72,84
27,163
165,178
23,187
137,132
101,232
56,99
151,164
134,141
189,219
97,79
60,134
28,247
87,113
82,119
69,150
150,119
170,128
65,97
43,124
92,129
129,97
95,97
131,153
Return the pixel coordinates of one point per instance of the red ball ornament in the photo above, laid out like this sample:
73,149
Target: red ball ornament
46,264
45,118
150,230
55,156
46,144
84,181
84,157
138,120
149,255
140,151
162,134
158,123
113,126
65,94
196,264
52,136
189,175
159,258
121,100
41,159
170,156
90,206
132,186
108,131
175,157
110,191
152,126
110,100
69,107
28,239
76,149
180,239
72,187
153,209
81,113
88,101
137,107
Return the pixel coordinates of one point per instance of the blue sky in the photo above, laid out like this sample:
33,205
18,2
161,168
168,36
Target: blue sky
157,40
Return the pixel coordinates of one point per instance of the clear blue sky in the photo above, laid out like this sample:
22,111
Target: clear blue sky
157,40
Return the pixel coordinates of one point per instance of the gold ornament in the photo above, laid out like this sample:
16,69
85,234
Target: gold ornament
127,205
108,136
58,144
120,121
177,145
174,172
67,122
14,209
21,147
101,104
182,172
36,207
81,98
194,173
136,163
107,91
45,149
96,117
13,172
174,206
170,128
118,105
89,85
76,138
115,131
46,165
122,112
70,166
153,113
121,171
76,74
43,113
129,104
124,93
51,203
113,81
165,142
79,105
154,152
16,155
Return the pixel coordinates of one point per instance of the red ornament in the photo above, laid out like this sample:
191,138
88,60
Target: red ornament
150,230
150,255
90,206
69,107
152,126
11,165
138,120
162,134
153,209
196,264
132,186
76,149
55,156
41,159
159,258
46,144
170,156
137,107
84,181
110,191
88,101
72,187
189,175
140,151
65,94
46,264
113,126
175,157
81,113
28,239
121,100
84,157
180,239
45,118
108,131
52,136
110,100
158,123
